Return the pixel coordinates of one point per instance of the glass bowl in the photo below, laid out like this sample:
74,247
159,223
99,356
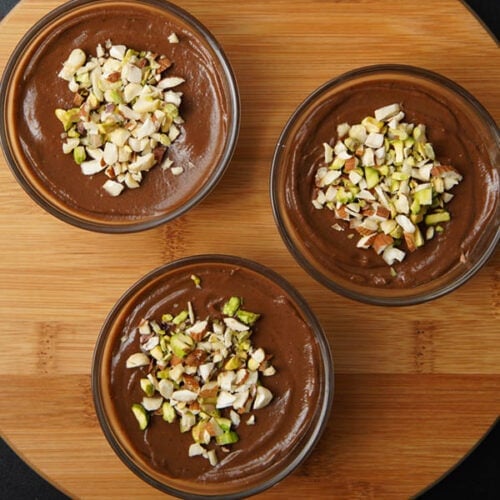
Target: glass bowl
284,432
460,131
31,90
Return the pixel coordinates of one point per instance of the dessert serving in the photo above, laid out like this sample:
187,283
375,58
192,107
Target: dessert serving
211,376
385,185
118,122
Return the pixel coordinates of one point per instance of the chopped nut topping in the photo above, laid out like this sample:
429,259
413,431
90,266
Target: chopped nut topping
204,373
126,113
383,179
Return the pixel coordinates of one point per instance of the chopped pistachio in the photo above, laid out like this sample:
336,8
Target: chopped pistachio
383,178
141,415
125,105
203,373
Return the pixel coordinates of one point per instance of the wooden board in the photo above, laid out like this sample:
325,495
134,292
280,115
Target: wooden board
415,387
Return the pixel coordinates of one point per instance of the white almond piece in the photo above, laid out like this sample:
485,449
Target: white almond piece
142,163
259,355
118,51
173,97
374,140
167,163
184,395
225,399
170,82
137,359
401,204
394,121
131,91
331,176
177,170
144,327
386,112
131,73
225,380
173,38
241,399
113,188
110,155
343,129
263,397
235,418
205,370
195,450
355,177
358,132
364,194
176,372
173,133
330,194
328,153
91,167
364,241
212,457
152,403
198,327
392,254
166,388
119,136
344,155
152,342
251,420
368,158
236,325
269,371
146,129
405,223
70,144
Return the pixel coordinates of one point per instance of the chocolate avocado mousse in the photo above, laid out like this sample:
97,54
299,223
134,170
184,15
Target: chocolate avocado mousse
327,245
205,134
262,438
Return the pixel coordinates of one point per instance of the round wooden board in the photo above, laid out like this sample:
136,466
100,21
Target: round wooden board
415,387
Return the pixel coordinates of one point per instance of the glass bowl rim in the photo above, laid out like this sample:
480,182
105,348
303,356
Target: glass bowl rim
325,401
233,97
366,297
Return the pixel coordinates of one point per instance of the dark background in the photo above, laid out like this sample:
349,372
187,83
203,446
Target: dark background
476,477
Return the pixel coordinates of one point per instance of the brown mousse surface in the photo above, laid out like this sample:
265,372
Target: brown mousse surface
298,385
457,141
38,91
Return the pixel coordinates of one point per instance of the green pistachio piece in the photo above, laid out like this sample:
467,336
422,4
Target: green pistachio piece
181,344
180,318
233,363
227,437
224,423
437,217
68,117
79,155
247,317
372,177
147,386
196,280
141,415
168,412
231,306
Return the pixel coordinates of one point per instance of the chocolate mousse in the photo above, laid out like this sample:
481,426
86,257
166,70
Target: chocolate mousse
458,138
208,110
277,432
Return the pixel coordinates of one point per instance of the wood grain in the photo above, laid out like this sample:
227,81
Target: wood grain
415,387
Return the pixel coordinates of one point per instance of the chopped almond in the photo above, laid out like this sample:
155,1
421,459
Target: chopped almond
381,242
410,241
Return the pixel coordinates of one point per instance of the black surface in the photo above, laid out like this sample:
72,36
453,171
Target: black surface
19,482
476,477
